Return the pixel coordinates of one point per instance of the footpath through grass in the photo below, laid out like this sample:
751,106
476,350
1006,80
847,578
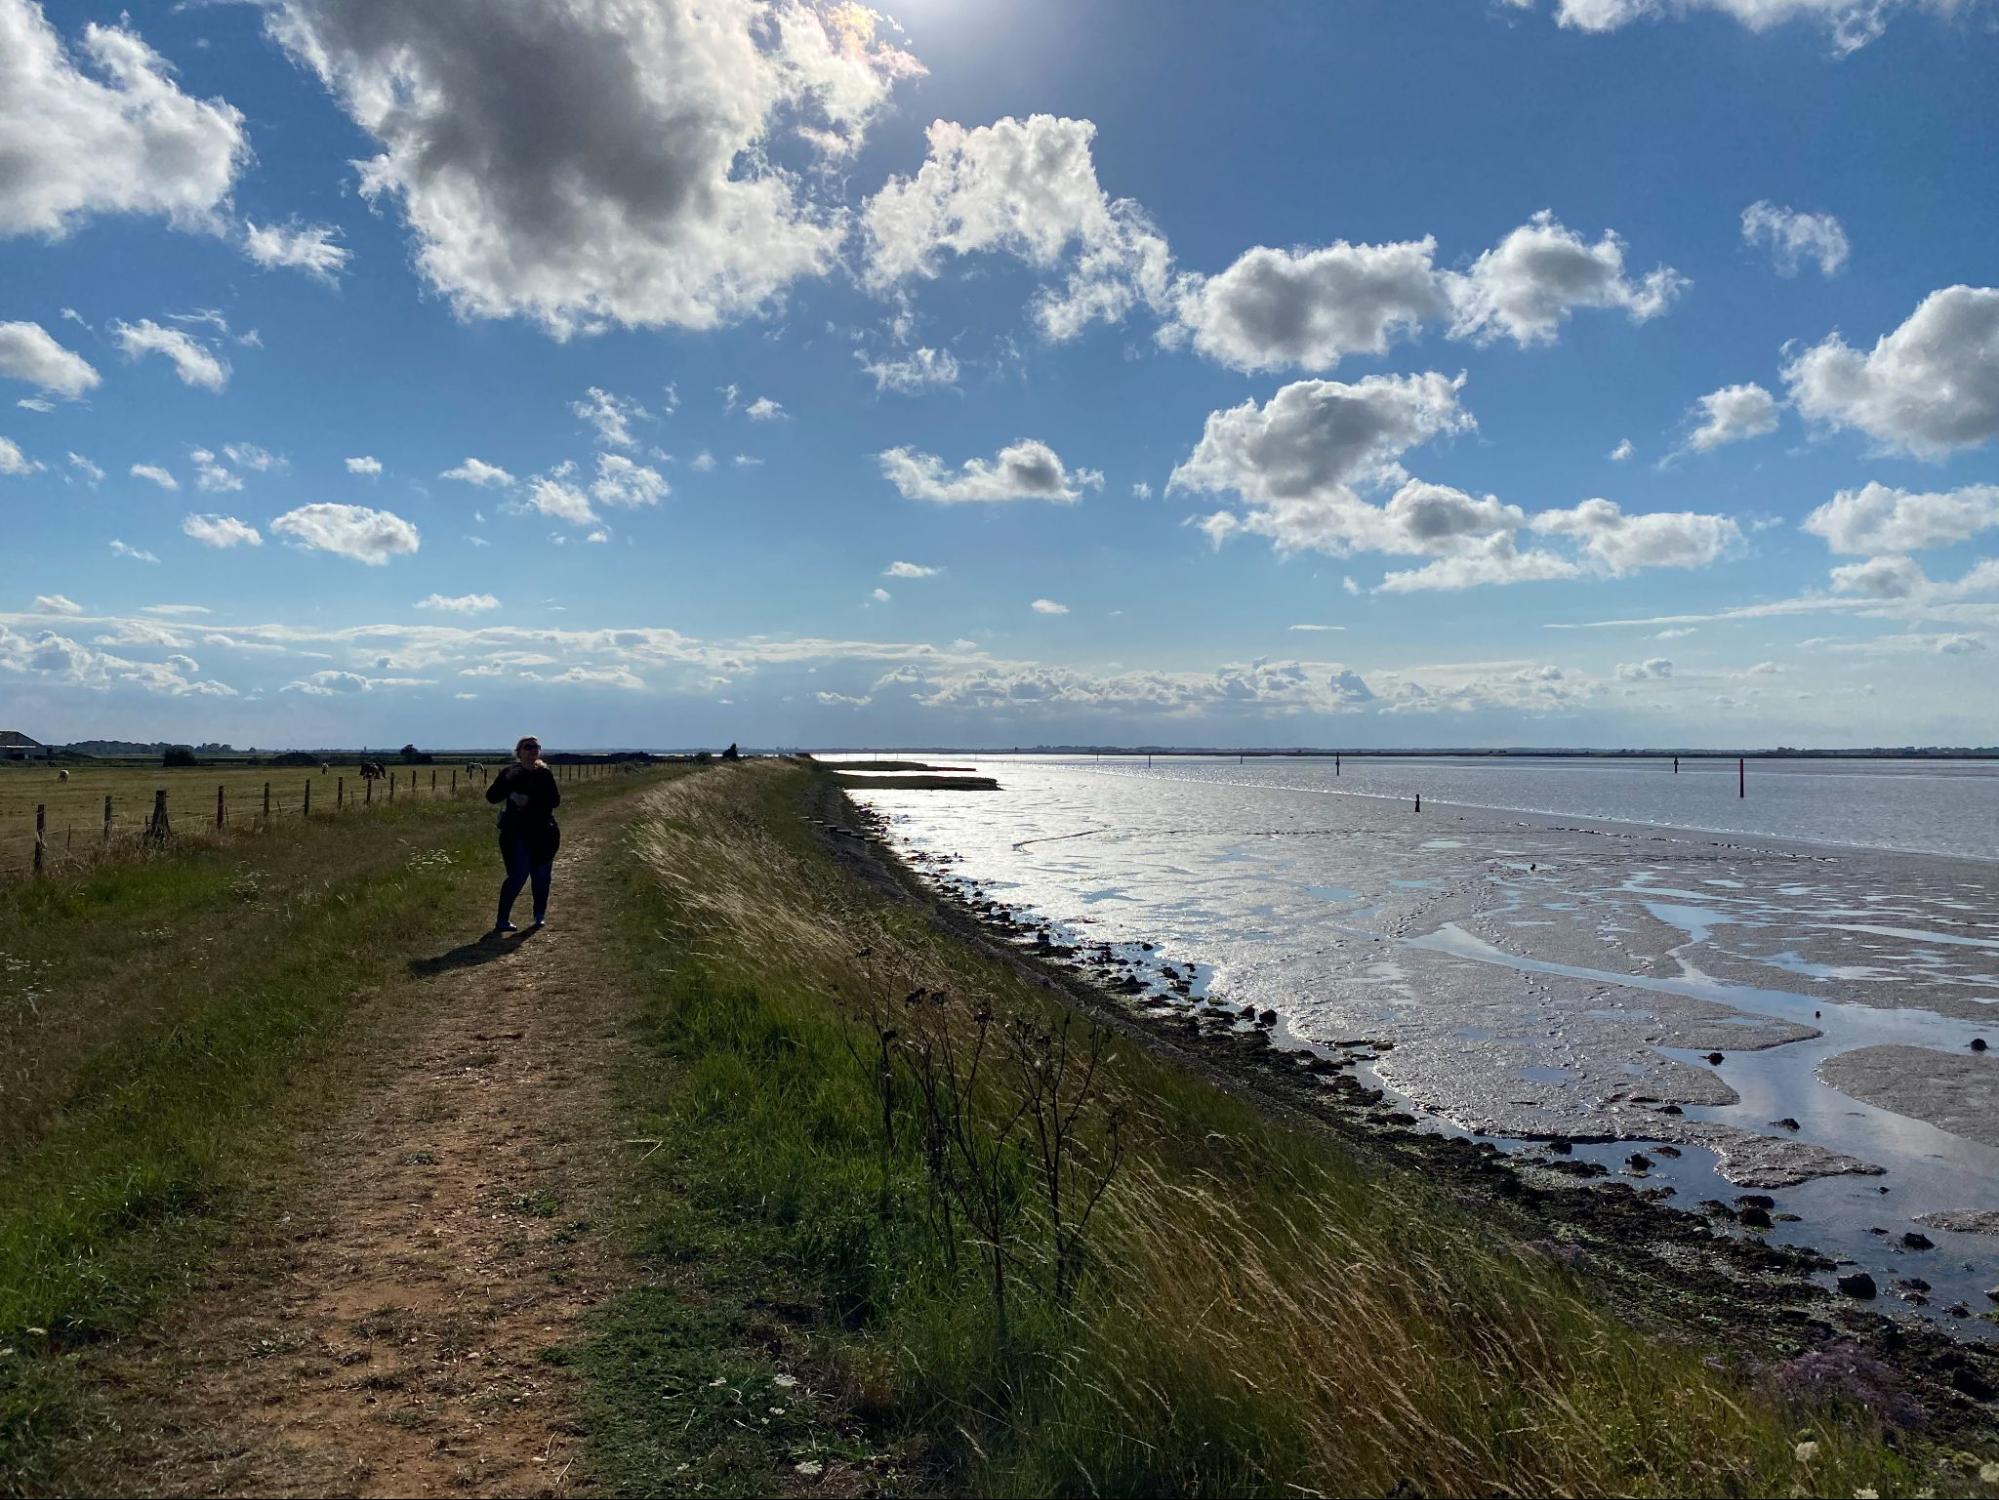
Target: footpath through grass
170,1026
858,1273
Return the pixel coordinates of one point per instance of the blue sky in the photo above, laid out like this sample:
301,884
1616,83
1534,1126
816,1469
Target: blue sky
1609,372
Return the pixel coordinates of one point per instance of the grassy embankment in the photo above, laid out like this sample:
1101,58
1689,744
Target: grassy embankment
169,1025
1255,1312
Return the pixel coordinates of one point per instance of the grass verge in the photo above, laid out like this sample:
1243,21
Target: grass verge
1251,1311
172,1026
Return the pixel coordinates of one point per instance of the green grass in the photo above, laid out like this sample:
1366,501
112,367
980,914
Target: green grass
74,809
1260,1313
171,1026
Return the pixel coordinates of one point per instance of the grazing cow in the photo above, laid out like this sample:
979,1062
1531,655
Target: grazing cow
62,776
373,770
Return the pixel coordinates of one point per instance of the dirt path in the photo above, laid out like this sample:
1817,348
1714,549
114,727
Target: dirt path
387,1336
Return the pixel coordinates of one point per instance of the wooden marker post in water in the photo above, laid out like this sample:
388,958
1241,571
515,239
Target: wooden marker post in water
1336,765
1741,776
1419,802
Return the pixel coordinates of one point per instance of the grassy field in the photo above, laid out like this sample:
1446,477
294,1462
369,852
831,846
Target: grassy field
75,808
170,1027
1249,1311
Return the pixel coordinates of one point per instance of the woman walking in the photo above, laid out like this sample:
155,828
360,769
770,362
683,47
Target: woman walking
529,837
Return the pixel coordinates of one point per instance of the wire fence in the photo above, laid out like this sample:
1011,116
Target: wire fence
73,830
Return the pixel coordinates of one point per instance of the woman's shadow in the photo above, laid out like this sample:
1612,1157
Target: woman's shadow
481,950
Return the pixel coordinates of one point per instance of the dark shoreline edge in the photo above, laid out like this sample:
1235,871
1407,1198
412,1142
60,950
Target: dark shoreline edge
1660,1268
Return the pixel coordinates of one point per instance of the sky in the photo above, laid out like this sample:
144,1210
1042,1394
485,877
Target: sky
1359,373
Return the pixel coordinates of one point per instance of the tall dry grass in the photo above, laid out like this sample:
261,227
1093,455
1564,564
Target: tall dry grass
1260,1314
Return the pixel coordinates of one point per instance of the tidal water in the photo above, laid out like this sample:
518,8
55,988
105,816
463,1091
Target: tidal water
1561,948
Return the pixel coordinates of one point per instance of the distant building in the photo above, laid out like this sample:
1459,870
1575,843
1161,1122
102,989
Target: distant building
15,745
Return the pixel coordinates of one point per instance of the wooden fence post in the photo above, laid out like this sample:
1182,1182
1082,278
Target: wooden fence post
308,796
159,830
454,784
339,793
267,802
41,834
218,807
107,817
392,786
367,791
433,783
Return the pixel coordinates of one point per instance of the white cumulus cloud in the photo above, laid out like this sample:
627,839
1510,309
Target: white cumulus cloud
1048,607
221,531
611,415
156,474
137,554
257,460
1879,519
620,481
119,138
459,604
1652,669
1308,309
1025,188
1527,286
1930,386
1881,578
192,361
1297,462
211,475
1794,238
357,531
300,247
365,466
601,162
13,461
909,570
1850,23
1618,544
554,496
1731,414
29,353
919,369
477,471
1026,470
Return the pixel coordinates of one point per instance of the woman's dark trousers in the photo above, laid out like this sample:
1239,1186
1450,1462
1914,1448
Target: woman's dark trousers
522,867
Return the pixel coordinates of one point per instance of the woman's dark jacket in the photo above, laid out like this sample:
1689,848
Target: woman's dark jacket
533,820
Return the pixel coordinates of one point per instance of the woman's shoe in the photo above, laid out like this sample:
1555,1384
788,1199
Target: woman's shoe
504,927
